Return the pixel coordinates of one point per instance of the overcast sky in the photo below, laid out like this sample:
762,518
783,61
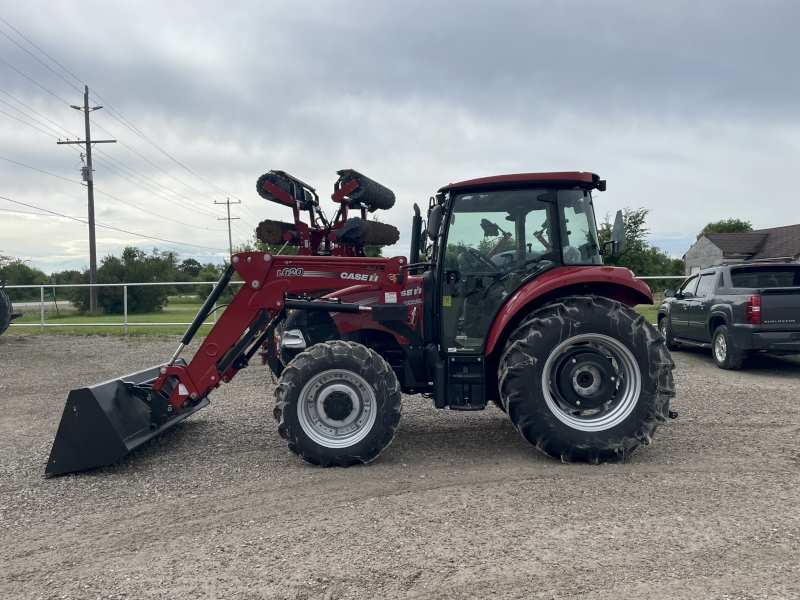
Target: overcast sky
689,109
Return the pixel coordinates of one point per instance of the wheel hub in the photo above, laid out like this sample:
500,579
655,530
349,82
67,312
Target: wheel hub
336,408
585,379
338,405
596,370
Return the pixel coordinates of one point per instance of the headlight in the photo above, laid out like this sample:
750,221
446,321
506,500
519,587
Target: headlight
292,338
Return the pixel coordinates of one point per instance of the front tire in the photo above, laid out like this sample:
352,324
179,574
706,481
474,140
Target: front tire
665,330
586,379
723,349
338,404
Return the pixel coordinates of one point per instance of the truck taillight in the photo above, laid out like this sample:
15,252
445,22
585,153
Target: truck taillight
754,310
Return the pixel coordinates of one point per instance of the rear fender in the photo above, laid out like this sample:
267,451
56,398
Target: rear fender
612,282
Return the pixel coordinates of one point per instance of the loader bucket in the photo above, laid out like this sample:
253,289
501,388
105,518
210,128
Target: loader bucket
104,422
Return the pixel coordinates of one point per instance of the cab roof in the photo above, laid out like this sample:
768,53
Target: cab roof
571,178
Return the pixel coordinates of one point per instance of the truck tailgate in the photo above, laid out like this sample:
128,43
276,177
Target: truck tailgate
780,309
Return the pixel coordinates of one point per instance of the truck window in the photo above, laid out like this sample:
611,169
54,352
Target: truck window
759,277
704,286
689,285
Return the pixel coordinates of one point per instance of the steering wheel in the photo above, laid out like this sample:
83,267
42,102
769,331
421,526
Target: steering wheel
481,258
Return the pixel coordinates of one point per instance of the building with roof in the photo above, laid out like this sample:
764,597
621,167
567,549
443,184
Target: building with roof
778,243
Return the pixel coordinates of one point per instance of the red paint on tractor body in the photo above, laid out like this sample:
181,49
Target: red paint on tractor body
590,180
612,282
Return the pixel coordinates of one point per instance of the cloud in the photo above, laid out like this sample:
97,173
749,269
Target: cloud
687,109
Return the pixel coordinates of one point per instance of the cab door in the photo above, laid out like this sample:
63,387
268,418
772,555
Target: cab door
494,242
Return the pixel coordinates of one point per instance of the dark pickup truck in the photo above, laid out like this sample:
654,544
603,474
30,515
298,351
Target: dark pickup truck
735,310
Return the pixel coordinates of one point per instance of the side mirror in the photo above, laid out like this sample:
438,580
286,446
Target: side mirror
617,241
687,295
434,221
670,293
618,233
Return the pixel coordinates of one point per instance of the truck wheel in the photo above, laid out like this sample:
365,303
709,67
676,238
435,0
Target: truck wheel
722,349
5,311
338,404
586,379
665,330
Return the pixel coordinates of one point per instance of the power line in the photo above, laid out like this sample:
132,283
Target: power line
106,226
28,51
40,171
34,82
122,176
40,50
119,118
75,136
111,112
28,124
38,113
155,165
99,191
29,117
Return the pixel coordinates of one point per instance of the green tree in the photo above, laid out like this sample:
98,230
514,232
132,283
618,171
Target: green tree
639,256
190,267
16,271
134,266
726,226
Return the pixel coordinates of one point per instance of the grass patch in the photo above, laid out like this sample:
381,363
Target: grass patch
649,311
113,324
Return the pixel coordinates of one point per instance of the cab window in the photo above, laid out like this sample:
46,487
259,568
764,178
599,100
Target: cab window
496,241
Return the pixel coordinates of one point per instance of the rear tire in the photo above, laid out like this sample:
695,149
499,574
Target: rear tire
586,379
338,404
5,311
665,330
723,349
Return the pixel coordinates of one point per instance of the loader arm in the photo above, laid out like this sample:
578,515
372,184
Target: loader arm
246,322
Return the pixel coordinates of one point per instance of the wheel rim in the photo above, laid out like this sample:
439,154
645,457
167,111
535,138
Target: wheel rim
337,408
720,348
663,327
591,382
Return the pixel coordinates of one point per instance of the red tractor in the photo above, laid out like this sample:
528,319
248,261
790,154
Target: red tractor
504,298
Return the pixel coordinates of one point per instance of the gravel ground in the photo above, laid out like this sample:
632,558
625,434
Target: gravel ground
458,507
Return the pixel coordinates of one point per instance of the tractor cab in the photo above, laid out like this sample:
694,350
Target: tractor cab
491,237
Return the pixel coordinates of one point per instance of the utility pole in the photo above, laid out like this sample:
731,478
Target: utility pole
89,179
229,218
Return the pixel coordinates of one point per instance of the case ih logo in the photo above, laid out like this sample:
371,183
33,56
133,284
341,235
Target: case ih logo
290,272
359,277
411,292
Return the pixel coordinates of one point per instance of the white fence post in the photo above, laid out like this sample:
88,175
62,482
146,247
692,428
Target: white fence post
125,306
41,307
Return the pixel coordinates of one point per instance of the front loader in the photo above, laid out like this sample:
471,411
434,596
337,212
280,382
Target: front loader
504,298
